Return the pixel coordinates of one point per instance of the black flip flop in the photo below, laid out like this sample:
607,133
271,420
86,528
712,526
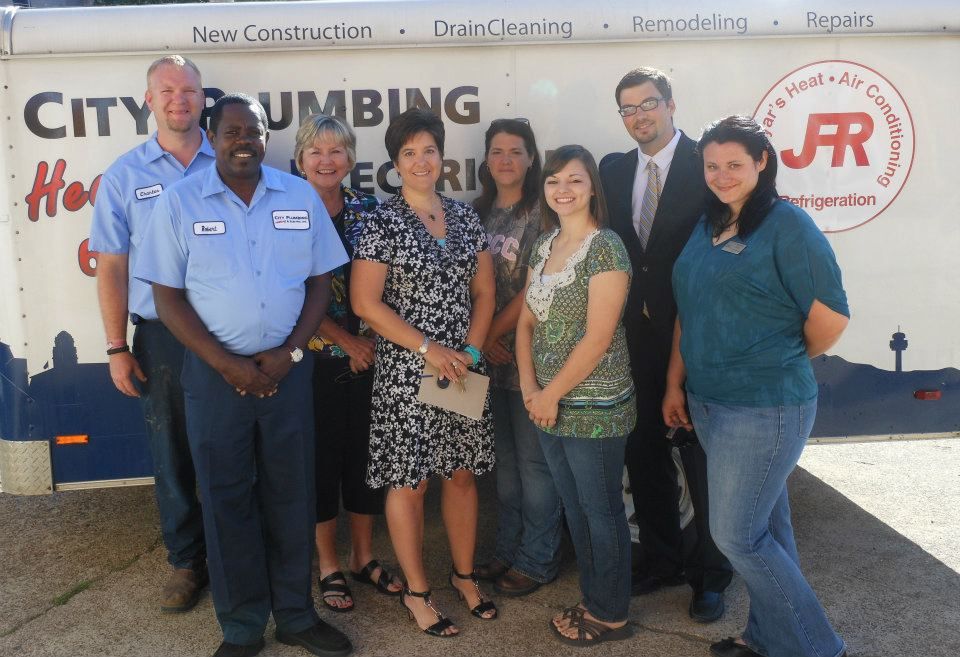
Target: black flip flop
334,585
382,583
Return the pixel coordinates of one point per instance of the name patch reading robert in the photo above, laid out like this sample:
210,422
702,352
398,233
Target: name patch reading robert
291,219
209,228
148,192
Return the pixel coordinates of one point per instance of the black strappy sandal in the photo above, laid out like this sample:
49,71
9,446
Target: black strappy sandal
484,606
382,583
443,623
334,585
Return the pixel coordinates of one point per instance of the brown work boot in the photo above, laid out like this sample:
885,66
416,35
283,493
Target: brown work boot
183,589
515,583
490,570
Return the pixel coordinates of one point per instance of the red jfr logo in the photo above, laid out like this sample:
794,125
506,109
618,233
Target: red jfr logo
840,141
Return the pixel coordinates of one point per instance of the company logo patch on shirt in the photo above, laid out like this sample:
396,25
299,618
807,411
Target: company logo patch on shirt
209,228
143,193
291,219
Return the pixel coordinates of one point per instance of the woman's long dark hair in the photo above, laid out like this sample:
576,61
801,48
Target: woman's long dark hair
558,160
531,181
749,134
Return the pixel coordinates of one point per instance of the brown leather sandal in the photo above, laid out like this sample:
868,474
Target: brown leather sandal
591,632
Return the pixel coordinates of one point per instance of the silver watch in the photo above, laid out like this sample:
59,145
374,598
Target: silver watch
296,355
422,349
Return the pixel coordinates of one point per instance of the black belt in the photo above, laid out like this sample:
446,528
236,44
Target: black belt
136,319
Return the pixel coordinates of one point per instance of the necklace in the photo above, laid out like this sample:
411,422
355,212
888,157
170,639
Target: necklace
430,213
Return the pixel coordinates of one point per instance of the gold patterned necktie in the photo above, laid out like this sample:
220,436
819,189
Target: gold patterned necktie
648,207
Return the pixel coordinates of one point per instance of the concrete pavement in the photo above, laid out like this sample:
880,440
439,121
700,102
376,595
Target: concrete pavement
80,573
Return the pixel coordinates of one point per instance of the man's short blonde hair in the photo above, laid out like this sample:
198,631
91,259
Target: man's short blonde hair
173,60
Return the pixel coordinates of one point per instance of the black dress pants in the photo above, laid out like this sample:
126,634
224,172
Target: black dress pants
653,478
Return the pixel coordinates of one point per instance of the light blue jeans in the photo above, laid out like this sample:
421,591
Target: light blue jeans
750,453
528,515
588,473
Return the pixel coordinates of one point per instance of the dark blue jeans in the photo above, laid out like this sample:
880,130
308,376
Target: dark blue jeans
750,453
255,469
161,357
588,473
528,509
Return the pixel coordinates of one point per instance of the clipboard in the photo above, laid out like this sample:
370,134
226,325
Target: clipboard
468,401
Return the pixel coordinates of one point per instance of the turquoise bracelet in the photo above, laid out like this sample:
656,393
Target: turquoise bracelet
474,353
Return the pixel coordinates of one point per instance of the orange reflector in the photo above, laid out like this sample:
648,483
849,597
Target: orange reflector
927,394
81,439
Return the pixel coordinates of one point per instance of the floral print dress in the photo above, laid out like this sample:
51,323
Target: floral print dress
428,286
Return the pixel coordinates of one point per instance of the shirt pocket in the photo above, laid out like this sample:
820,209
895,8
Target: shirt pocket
213,257
293,254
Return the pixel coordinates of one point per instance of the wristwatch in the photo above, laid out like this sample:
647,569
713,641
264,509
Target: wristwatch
296,355
422,349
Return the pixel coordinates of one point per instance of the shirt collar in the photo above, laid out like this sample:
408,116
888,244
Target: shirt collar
270,178
663,157
154,150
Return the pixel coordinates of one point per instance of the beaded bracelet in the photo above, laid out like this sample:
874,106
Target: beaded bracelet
474,353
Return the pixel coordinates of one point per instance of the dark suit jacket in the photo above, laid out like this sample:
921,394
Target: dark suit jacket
680,207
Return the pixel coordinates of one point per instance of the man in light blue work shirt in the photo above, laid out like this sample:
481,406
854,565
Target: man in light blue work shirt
239,259
151,371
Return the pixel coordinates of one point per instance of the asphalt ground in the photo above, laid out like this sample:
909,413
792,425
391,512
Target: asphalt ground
878,528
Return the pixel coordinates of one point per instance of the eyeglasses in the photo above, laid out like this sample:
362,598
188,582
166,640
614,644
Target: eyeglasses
648,105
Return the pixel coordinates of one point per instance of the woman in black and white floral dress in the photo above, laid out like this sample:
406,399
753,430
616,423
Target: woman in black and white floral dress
423,280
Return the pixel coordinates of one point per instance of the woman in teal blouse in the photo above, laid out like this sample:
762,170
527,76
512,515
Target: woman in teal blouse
758,294
576,385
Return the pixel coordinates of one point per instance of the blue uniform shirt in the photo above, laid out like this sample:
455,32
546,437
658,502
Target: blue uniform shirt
742,314
243,268
128,191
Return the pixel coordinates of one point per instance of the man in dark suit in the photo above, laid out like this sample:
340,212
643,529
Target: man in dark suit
655,195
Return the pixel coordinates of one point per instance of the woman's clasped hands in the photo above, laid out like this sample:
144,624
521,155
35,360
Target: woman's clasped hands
541,405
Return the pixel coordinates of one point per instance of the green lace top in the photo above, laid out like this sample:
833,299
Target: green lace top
602,405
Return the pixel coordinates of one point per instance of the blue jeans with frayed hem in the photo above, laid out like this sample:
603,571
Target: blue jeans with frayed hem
588,473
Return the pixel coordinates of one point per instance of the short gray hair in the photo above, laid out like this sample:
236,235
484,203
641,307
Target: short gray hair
173,60
316,126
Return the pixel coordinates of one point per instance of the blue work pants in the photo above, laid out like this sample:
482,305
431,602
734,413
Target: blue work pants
255,468
160,356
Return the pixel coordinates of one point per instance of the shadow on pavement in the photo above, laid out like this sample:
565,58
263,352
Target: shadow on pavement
885,595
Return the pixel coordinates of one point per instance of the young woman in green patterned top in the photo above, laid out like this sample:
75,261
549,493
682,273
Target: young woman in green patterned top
576,385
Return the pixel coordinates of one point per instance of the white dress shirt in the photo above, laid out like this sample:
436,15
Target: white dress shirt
662,158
